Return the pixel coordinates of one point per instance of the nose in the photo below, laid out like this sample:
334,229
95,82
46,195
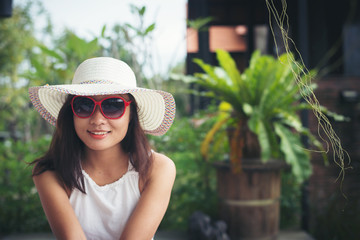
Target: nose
97,117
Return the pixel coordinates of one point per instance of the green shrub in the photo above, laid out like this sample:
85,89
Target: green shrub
20,207
195,183
290,201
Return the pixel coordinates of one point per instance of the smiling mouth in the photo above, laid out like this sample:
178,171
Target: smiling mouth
99,133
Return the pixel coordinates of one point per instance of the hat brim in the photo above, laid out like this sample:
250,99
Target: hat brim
156,109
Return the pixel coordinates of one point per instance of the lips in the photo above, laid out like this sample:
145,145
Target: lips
98,134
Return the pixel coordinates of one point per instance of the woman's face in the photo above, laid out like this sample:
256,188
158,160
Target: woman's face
100,133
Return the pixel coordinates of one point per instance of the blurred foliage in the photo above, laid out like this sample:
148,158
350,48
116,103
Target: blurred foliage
16,43
263,100
195,184
20,209
290,201
199,24
17,39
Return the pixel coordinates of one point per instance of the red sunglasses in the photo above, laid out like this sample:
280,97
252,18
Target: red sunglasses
110,107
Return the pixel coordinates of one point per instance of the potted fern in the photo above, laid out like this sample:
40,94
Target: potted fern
259,109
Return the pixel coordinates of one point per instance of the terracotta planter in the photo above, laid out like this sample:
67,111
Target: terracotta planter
249,201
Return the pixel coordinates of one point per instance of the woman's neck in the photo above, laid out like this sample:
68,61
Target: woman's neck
113,158
105,166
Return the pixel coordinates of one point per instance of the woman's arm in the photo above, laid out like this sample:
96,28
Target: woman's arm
55,202
153,202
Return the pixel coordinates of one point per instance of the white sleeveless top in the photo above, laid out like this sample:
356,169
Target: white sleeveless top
104,210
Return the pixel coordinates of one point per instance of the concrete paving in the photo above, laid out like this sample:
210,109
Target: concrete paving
161,235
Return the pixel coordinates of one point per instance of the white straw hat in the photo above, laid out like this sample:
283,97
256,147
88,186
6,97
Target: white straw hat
107,76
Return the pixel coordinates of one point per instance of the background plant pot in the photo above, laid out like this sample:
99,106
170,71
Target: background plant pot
249,200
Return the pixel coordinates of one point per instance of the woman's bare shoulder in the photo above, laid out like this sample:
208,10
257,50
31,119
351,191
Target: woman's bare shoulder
162,163
49,180
45,176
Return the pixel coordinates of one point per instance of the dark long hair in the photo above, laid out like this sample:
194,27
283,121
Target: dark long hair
66,149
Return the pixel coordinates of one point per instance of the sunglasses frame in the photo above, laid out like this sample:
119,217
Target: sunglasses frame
98,103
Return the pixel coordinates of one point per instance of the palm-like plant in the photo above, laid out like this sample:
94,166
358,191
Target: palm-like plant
264,104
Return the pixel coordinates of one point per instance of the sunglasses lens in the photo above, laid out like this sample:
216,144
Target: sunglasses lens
113,107
83,107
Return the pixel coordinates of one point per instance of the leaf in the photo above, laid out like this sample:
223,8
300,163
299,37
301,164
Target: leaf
51,52
248,109
142,11
149,28
182,77
207,68
289,118
39,68
103,31
134,9
257,125
214,80
257,78
199,24
229,65
294,153
131,27
210,136
335,116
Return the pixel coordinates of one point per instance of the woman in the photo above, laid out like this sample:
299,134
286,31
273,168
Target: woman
100,179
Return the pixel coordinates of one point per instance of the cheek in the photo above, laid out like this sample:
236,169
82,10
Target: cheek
123,125
124,122
125,119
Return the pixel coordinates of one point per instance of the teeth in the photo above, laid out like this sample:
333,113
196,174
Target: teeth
99,133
